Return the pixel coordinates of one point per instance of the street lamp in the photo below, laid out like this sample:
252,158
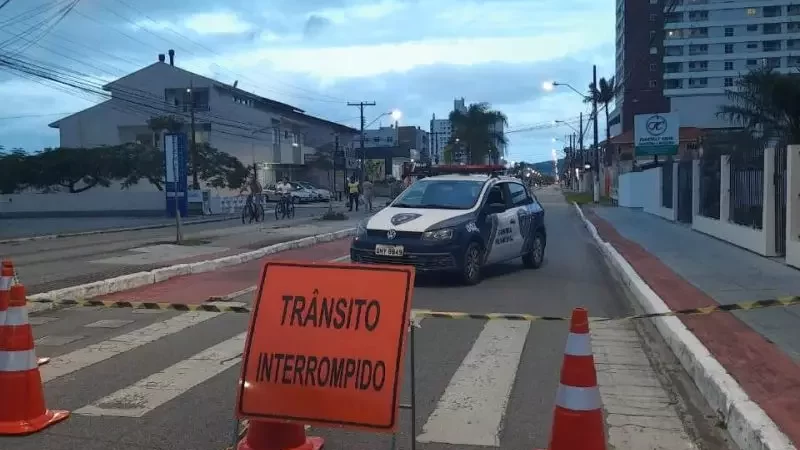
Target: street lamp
396,114
551,85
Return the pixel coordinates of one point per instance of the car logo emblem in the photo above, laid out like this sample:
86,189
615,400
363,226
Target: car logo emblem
391,234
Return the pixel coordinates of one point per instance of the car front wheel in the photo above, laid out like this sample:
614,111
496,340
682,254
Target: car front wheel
473,260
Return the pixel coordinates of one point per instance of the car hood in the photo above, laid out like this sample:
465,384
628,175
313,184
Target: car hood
411,219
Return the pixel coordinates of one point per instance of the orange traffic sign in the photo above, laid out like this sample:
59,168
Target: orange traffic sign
326,344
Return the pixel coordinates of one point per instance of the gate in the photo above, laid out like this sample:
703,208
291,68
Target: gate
666,184
779,178
685,191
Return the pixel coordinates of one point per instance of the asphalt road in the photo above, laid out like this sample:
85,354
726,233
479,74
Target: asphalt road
56,263
167,380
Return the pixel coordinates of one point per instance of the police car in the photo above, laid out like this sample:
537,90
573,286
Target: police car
458,220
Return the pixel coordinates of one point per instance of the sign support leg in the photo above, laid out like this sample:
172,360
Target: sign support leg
413,390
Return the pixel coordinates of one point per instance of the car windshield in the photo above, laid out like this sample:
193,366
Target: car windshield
440,194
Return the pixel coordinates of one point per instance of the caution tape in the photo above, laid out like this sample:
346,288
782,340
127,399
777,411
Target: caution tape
419,314
184,307
744,306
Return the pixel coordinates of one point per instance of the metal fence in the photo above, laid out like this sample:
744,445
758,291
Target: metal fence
710,173
666,184
747,188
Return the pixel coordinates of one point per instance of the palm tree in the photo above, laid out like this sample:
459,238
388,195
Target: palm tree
765,103
476,132
604,96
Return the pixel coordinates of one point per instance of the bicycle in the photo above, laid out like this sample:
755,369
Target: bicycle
284,207
253,209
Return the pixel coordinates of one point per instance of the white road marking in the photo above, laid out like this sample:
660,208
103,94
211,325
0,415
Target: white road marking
147,394
472,407
160,253
93,354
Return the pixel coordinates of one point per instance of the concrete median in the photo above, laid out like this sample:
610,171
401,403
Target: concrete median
43,301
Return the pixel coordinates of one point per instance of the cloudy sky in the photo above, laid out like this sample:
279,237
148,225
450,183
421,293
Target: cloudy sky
412,55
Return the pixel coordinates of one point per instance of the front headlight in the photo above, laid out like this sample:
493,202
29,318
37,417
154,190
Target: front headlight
442,234
361,230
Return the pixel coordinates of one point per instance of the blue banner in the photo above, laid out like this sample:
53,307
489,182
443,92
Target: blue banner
176,173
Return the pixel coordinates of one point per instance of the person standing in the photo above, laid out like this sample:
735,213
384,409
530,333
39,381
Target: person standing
369,194
352,192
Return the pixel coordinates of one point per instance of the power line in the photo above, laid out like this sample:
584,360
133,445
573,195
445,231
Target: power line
25,116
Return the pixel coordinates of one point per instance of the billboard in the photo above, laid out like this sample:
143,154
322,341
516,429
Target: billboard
656,134
176,173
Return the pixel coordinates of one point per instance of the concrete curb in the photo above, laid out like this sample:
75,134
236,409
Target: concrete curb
43,301
746,422
46,237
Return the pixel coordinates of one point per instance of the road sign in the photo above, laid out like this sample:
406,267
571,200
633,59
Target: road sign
656,134
326,344
176,176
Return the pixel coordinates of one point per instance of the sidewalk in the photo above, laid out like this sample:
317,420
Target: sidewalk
687,269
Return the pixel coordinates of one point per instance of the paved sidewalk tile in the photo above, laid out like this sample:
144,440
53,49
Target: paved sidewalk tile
766,373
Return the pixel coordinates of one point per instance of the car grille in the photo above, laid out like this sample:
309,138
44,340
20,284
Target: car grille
420,262
400,234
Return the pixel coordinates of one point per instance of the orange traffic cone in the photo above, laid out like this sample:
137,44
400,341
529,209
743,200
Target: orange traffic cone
23,410
278,436
578,417
12,281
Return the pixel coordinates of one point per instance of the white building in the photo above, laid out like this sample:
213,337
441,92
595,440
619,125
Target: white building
280,138
709,43
381,137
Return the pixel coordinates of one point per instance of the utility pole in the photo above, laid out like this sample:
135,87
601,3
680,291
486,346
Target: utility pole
344,166
363,152
195,181
580,142
596,162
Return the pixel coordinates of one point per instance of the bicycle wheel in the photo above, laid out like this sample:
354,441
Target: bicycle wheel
290,210
260,213
278,210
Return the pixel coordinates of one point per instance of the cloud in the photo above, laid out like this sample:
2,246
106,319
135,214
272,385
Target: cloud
314,25
408,54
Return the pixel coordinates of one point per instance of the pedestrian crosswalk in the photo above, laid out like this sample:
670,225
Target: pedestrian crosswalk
468,373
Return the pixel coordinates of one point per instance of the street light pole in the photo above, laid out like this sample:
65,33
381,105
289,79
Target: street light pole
596,195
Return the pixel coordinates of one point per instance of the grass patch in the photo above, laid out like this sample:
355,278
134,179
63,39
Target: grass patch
583,198
334,215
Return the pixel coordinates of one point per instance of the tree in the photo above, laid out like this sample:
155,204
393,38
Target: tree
217,168
604,96
764,102
475,130
15,174
325,160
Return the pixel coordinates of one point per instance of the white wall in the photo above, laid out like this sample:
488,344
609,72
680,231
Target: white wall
758,241
640,190
793,206
92,201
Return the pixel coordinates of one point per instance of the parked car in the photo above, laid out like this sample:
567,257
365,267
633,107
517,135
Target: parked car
298,193
322,194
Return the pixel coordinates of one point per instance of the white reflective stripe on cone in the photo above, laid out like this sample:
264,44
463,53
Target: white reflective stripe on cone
578,398
5,283
15,316
578,345
19,361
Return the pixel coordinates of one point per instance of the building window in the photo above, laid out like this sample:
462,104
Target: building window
652,67
653,50
653,2
728,65
652,34
772,11
752,45
653,83
728,82
752,28
728,48
653,17
728,31
751,11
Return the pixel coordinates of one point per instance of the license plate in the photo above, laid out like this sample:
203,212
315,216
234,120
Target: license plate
389,250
